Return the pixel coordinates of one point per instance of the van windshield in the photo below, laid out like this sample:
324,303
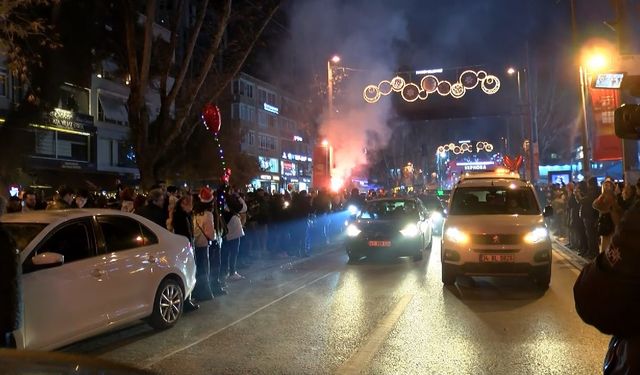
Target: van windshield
493,200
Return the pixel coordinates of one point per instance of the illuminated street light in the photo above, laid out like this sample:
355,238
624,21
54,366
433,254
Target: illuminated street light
335,59
325,143
511,71
596,62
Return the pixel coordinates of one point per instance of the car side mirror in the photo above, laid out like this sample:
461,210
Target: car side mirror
47,260
548,211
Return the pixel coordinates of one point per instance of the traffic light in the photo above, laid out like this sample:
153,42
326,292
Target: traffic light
627,121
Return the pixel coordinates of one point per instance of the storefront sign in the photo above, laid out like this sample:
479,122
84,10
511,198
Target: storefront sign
270,108
606,146
268,164
288,168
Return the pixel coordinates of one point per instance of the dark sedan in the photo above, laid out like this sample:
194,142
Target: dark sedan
392,227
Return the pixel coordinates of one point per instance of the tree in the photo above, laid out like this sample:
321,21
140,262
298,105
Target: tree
554,112
225,31
22,32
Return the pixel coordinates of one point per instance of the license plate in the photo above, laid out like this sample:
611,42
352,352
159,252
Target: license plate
495,258
379,243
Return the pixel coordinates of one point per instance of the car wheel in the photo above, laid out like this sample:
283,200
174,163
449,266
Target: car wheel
167,306
448,276
543,280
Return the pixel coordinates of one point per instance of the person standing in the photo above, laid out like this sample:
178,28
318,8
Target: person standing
589,217
183,226
29,201
204,235
10,285
154,209
231,243
606,295
63,200
609,213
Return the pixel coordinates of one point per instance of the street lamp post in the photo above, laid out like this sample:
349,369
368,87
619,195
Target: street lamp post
334,60
526,119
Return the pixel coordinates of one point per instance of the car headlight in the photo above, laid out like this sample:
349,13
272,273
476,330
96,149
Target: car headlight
435,216
410,230
537,235
456,235
353,210
353,231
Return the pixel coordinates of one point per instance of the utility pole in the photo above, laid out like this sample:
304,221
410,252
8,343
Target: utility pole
586,150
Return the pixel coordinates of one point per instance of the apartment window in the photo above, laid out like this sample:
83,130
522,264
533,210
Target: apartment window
249,90
247,113
271,98
262,95
235,111
54,144
266,142
262,118
249,138
273,121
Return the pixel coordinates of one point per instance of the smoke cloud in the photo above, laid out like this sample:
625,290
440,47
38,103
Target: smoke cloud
366,35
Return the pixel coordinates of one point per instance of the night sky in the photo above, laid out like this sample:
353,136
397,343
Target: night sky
374,36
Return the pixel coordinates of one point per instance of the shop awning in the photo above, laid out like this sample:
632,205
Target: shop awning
114,108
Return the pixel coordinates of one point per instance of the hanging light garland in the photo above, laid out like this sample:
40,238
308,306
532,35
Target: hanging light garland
465,147
212,121
430,84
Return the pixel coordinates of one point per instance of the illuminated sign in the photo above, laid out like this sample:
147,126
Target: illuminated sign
268,164
428,71
475,165
608,81
290,156
265,177
288,168
297,138
430,85
270,108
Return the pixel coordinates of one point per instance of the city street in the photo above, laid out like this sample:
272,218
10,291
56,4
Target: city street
322,316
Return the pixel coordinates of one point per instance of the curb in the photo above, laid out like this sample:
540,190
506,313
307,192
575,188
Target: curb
571,256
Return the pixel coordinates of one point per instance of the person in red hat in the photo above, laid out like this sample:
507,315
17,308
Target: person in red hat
204,234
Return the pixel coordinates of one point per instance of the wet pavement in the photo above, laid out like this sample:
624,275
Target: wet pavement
321,316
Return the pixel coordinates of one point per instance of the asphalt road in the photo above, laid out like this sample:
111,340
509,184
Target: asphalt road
322,316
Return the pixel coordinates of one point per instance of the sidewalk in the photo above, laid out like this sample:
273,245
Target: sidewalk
573,257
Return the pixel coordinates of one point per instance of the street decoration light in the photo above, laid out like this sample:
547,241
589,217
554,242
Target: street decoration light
430,84
465,147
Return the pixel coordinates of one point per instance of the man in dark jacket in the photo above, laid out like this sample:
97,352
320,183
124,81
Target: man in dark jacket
154,209
63,200
606,295
589,217
10,291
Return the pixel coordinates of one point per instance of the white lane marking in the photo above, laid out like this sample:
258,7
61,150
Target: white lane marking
362,357
155,360
558,254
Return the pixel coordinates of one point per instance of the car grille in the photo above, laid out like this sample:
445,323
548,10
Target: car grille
496,239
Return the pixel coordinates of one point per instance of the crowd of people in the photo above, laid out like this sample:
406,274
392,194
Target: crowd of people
228,229
586,214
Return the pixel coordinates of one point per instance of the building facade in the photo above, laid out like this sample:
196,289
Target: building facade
275,130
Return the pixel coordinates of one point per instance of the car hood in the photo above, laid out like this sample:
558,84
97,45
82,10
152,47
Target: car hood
507,224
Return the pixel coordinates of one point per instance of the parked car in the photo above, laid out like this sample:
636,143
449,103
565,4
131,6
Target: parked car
89,271
393,227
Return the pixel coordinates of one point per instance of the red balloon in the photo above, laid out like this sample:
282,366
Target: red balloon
211,116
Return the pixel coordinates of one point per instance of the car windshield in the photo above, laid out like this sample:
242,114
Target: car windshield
23,233
431,202
494,201
387,209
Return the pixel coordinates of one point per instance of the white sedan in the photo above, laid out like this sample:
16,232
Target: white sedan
89,271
